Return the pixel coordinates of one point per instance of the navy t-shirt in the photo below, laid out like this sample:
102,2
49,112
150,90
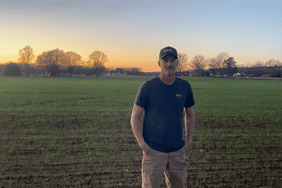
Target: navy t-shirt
164,109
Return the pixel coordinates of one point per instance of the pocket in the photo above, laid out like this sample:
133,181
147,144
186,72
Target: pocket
152,152
149,151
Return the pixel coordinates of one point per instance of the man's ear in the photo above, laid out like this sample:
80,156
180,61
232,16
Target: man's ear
159,63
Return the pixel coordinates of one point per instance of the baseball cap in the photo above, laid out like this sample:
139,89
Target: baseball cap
168,51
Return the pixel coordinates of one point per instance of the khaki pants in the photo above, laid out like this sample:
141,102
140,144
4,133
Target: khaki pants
173,165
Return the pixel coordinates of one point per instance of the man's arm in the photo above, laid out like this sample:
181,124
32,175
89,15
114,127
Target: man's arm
137,126
189,126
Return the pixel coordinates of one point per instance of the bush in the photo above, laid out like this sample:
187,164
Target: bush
12,69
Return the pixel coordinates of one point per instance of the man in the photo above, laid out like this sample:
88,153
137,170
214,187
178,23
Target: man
160,137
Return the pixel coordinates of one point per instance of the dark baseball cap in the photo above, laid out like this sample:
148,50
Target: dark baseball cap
168,51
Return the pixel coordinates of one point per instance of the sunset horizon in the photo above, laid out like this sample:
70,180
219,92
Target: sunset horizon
146,63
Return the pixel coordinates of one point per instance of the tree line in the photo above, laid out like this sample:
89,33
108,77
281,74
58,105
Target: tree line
224,65
57,62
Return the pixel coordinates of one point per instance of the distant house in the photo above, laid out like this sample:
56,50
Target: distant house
186,73
237,74
194,74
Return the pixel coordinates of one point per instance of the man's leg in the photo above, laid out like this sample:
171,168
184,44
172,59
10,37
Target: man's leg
176,171
153,166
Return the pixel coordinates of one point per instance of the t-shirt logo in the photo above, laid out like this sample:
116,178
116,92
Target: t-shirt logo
178,96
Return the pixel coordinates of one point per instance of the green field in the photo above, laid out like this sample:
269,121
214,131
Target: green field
63,132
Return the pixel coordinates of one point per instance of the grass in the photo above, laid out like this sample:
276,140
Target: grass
76,133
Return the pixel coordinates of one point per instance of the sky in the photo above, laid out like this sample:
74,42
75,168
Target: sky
132,33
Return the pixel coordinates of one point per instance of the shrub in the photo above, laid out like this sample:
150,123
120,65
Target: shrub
12,69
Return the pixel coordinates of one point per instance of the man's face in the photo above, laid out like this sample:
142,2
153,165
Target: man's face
168,65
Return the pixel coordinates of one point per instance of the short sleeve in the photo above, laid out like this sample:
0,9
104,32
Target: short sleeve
190,98
141,97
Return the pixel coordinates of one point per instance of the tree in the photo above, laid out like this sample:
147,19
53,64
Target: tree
221,59
274,71
182,62
96,62
28,69
278,63
217,64
12,69
26,55
212,63
97,56
272,62
230,65
98,68
51,61
134,71
258,63
71,61
2,68
198,64
119,71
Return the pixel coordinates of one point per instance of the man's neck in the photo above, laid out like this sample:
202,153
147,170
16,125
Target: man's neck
167,79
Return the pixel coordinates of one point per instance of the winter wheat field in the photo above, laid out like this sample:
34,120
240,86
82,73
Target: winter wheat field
72,132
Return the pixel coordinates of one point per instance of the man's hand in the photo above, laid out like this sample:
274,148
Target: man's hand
189,126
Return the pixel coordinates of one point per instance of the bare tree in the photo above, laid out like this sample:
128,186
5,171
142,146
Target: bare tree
217,64
182,62
96,62
221,59
198,64
51,61
213,65
26,55
272,62
71,61
258,63
28,69
98,56
278,63
98,68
